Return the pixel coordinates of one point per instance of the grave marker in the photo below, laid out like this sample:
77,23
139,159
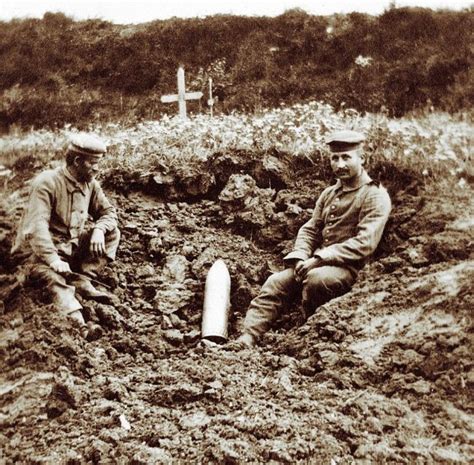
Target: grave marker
210,102
182,95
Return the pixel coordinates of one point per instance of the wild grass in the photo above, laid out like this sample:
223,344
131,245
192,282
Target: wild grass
434,147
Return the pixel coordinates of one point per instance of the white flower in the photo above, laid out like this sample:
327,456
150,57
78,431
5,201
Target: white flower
362,61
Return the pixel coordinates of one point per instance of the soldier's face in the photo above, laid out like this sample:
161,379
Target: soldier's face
347,165
88,168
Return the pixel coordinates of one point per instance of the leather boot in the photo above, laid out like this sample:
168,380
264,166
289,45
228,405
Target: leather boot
245,341
92,267
77,317
94,332
85,288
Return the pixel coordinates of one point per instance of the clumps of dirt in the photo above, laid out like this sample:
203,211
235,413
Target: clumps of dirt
404,339
380,374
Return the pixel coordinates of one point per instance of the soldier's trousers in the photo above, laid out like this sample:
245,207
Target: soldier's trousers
80,261
280,289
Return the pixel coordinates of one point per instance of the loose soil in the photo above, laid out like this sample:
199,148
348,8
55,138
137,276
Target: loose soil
380,375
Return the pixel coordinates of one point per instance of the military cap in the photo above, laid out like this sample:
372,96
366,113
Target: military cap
86,144
342,141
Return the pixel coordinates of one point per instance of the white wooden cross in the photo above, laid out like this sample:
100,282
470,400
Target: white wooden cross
182,95
210,102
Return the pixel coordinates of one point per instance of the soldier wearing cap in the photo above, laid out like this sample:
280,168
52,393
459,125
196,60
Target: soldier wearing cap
345,229
62,251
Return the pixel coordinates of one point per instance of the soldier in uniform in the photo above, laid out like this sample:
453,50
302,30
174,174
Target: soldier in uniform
345,229
62,251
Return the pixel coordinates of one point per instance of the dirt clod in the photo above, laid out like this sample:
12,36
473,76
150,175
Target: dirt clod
382,374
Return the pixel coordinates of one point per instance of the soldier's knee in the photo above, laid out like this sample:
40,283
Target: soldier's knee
279,281
319,278
329,278
271,282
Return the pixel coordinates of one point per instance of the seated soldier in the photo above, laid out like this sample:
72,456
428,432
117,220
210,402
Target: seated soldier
62,252
345,229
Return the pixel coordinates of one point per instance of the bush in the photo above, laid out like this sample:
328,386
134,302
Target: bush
57,71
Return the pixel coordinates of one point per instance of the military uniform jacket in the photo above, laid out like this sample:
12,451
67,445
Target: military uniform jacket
57,212
346,225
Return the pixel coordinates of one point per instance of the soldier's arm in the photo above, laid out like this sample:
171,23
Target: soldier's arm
37,220
309,235
102,211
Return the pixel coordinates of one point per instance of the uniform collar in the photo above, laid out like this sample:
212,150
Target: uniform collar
72,184
362,180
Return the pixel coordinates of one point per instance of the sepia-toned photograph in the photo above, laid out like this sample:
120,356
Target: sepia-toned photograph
236,232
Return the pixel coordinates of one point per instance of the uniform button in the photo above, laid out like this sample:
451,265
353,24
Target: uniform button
337,199
331,216
332,207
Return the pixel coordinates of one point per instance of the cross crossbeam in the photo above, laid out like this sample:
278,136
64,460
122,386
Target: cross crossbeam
182,96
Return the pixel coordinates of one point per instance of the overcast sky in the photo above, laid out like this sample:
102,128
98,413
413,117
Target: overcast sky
138,11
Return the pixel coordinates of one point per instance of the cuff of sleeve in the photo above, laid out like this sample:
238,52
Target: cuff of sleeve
102,227
295,255
50,258
324,254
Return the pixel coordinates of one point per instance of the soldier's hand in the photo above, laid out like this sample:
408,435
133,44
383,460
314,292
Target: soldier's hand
297,269
60,266
303,268
97,243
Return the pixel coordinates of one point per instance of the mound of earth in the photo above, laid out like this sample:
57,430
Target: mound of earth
381,374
